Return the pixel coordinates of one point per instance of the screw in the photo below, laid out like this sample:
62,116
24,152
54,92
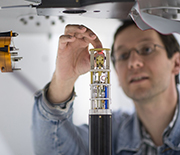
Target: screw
38,24
22,19
31,17
25,22
53,23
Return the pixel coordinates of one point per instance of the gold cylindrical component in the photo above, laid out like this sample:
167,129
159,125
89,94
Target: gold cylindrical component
91,77
108,78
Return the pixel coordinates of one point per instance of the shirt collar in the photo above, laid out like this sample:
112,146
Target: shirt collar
130,137
172,138
147,138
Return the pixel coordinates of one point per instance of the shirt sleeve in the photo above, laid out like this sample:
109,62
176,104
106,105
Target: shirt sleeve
53,130
56,108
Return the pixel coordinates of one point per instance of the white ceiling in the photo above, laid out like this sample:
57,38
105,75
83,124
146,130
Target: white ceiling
11,18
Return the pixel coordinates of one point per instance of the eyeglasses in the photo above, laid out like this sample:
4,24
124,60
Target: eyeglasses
145,49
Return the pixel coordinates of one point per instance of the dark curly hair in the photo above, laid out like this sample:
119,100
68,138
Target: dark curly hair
169,41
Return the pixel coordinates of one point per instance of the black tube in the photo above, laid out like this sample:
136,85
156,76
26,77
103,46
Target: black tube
100,142
8,34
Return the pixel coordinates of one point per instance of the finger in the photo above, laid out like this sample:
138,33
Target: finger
64,40
95,42
90,37
72,29
82,32
87,34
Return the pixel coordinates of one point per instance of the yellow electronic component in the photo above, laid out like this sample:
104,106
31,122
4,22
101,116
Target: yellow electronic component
99,61
5,54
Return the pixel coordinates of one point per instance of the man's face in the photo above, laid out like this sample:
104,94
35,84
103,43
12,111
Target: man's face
142,77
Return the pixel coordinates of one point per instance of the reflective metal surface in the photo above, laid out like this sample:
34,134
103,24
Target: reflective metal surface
161,15
169,9
118,10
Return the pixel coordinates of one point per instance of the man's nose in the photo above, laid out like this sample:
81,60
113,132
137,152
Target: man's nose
135,61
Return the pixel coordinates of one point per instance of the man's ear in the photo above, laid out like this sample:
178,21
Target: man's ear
176,58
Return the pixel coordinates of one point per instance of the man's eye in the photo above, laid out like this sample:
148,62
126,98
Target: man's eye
124,56
145,50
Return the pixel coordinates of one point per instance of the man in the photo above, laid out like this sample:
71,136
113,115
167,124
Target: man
147,64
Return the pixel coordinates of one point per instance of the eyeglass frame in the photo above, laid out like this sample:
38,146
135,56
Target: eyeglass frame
137,51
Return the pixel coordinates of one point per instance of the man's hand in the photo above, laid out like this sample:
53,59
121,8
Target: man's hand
72,61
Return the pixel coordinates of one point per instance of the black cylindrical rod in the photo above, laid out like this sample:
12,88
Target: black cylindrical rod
100,134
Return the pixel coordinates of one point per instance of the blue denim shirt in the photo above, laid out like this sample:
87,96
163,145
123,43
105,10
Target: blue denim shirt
55,134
